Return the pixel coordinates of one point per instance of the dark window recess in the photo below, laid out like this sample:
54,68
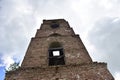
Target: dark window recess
55,34
55,45
56,56
54,25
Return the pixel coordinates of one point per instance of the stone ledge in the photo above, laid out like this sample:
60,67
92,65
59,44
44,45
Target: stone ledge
85,65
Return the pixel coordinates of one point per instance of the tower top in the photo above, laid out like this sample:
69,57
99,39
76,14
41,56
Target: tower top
55,37
54,24
53,20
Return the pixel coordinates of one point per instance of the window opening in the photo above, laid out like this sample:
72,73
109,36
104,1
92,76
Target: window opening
56,54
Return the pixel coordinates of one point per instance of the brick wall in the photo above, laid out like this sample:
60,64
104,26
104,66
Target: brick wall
74,50
78,63
94,71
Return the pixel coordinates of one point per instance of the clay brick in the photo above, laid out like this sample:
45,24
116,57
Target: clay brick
78,64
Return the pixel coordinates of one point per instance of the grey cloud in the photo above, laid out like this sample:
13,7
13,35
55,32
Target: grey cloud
54,8
16,29
105,36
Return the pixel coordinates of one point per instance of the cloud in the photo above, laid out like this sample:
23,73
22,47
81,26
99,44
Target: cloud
104,36
117,76
7,60
17,27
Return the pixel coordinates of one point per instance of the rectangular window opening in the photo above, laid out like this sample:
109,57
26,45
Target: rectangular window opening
56,57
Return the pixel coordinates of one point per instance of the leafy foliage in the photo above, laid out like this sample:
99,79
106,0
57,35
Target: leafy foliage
13,67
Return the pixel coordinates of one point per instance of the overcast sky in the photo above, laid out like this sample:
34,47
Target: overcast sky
96,21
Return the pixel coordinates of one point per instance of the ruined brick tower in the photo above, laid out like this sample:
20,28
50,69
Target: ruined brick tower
57,53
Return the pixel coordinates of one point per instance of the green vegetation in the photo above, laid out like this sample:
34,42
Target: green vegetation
13,67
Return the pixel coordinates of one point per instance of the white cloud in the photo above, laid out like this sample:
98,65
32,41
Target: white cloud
17,27
117,76
6,61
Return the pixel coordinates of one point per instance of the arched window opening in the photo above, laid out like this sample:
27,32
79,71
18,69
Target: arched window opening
55,45
56,54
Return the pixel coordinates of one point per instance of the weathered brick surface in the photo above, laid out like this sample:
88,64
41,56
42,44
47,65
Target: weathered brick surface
37,53
78,63
94,71
46,33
